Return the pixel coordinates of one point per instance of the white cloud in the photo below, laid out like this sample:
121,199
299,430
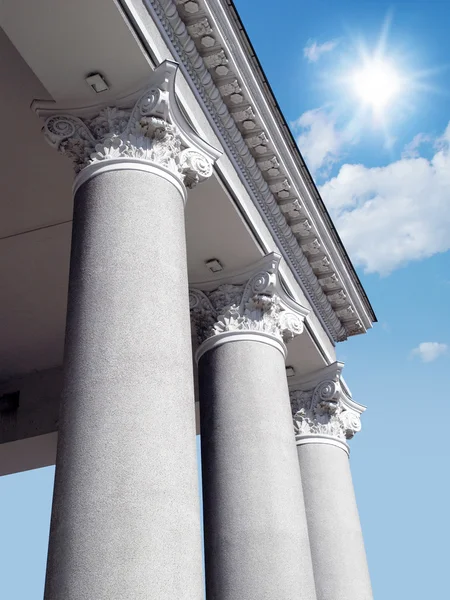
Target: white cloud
390,215
411,150
429,351
320,140
313,51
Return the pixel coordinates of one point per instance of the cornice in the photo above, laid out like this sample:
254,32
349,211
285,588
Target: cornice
202,35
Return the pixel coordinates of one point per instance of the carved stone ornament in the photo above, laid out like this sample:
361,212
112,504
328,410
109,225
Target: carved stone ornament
325,408
252,139
252,300
145,126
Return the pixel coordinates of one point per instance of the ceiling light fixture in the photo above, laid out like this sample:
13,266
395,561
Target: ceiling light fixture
214,265
97,83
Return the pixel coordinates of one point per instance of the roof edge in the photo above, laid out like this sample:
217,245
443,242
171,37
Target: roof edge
265,83
219,62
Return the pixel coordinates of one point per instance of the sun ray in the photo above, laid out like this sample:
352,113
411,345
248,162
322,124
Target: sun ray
374,87
381,47
380,79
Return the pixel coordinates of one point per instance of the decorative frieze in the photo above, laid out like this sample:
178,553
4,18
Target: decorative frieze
244,118
321,265
252,300
254,141
148,131
236,98
281,188
227,89
323,407
355,327
302,228
291,208
330,281
346,313
211,70
337,297
270,166
200,28
189,6
207,41
312,247
219,59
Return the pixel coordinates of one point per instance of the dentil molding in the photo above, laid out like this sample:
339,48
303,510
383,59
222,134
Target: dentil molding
248,301
146,126
322,407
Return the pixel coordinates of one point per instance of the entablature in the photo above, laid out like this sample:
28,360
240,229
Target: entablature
234,99
209,41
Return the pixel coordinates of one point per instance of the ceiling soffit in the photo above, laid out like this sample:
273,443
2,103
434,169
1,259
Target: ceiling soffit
253,138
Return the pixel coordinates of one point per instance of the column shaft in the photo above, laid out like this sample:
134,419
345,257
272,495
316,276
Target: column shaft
256,539
125,520
337,547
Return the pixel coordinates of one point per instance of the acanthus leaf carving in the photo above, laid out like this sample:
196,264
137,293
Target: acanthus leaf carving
207,70
145,130
200,28
326,409
259,304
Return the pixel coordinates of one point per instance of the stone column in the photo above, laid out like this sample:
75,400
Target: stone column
325,416
256,538
125,520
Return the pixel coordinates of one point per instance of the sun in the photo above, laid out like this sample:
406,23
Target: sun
375,88
376,83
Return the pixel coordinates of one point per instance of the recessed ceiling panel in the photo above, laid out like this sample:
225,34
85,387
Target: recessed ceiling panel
64,41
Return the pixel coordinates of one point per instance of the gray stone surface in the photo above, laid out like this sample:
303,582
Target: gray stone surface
337,547
125,522
256,539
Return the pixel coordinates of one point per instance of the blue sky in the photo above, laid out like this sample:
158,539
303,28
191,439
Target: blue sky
390,199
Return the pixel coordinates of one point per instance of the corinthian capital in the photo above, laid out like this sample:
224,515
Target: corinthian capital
323,409
146,126
252,300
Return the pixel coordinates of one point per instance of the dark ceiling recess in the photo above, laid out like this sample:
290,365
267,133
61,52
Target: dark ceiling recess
9,402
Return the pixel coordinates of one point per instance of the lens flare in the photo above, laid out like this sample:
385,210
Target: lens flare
373,90
376,84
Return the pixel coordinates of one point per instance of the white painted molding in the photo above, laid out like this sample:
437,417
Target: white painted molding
146,126
260,337
323,439
127,164
201,36
322,406
251,300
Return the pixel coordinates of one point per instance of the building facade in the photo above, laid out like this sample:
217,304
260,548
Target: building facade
168,267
